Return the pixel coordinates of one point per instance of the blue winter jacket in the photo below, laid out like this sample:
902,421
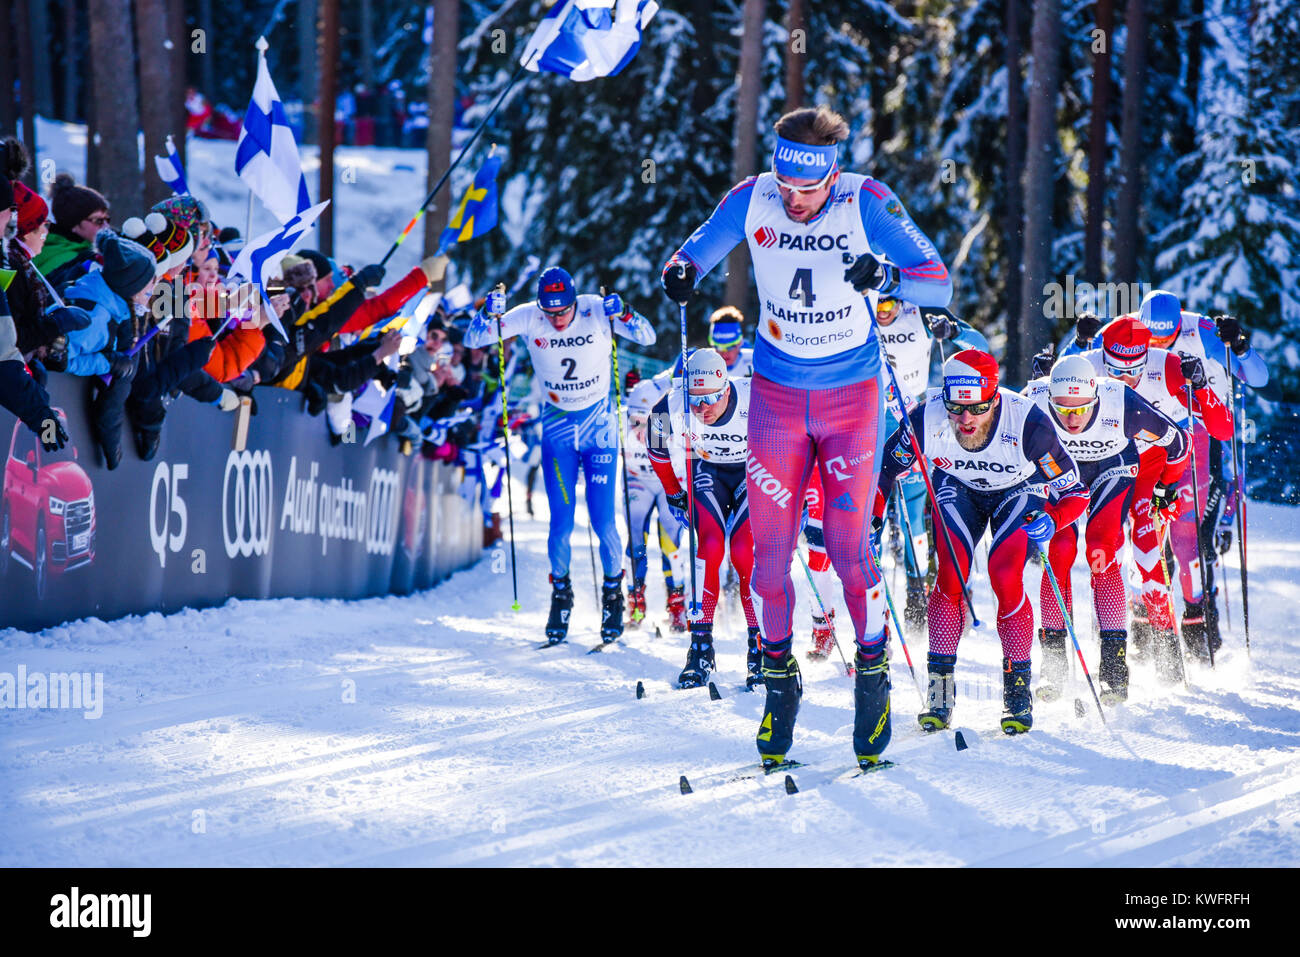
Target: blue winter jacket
108,311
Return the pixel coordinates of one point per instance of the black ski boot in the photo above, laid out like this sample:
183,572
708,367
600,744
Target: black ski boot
699,657
1195,638
914,613
784,689
871,726
557,625
1113,672
1017,702
941,696
611,608
1169,661
753,661
1051,679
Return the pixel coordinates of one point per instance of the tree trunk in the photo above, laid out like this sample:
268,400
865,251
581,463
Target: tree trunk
1013,227
112,142
307,69
442,116
151,35
796,56
207,62
739,291
368,43
26,83
1131,146
1184,138
8,111
71,75
42,89
1034,331
329,62
1097,151
178,72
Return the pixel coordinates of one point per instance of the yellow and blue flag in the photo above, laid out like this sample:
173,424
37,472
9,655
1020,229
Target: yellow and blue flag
478,210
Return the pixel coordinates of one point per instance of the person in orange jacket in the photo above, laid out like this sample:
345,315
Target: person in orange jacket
240,346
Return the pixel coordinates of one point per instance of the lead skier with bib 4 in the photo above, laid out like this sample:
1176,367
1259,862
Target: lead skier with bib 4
815,235
569,341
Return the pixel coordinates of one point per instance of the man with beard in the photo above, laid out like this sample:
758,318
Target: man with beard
997,463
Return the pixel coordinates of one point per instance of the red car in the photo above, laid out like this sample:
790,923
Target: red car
47,509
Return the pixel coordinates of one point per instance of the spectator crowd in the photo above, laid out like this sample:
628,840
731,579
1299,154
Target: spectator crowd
138,306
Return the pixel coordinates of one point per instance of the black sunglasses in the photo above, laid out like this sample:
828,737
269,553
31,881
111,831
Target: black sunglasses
974,408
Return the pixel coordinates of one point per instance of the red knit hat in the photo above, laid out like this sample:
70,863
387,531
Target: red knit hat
1124,343
32,210
970,376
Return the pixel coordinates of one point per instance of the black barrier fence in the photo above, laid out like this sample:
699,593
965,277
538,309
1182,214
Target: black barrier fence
288,516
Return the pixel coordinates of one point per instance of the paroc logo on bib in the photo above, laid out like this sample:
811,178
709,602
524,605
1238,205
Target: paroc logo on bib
765,237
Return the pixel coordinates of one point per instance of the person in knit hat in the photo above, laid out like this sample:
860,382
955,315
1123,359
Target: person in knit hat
79,214
113,296
189,214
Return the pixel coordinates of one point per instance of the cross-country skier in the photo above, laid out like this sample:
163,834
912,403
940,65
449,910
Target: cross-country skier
727,335
1097,420
814,234
997,463
714,434
908,335
1215,342
569,341
1162,378
646,498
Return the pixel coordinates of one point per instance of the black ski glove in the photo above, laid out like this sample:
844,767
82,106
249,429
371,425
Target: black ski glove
868,272
678,501
678,280
1164,497
1041,364
51,441
1086,329
1232,334
941,325
1193,371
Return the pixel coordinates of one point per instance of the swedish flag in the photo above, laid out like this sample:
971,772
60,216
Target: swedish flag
478,210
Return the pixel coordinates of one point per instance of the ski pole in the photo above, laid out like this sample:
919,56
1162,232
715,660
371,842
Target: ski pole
505,440
1239,475
456,162
906,428
1163,535
1206,597
595,582
902,638
695,609
1065,616
848,668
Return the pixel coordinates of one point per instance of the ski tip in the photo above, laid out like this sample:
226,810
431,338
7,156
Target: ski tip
790,786
658,633
961,741
640,691
714,693
1079,709
685,785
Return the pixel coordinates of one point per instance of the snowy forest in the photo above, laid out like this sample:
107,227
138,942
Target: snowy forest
1140,141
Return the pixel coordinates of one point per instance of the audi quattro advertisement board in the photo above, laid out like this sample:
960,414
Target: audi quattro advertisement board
289,516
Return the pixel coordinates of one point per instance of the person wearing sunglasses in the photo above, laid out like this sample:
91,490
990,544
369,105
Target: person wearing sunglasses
79,214
727,335
908,334
569,339
811,231
997,463
715,437
1100,420
1162,379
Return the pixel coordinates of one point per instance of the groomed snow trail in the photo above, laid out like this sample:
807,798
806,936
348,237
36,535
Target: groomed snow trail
427,730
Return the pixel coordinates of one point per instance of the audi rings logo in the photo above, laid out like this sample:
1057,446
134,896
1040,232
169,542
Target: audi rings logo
383,511
246,505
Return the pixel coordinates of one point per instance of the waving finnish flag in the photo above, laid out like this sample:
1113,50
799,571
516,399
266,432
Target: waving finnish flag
266,156
170,169
260,257
583,39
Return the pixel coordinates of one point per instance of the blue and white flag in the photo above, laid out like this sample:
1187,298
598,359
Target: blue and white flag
170,169
582,39
260,257
266,156
375,403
